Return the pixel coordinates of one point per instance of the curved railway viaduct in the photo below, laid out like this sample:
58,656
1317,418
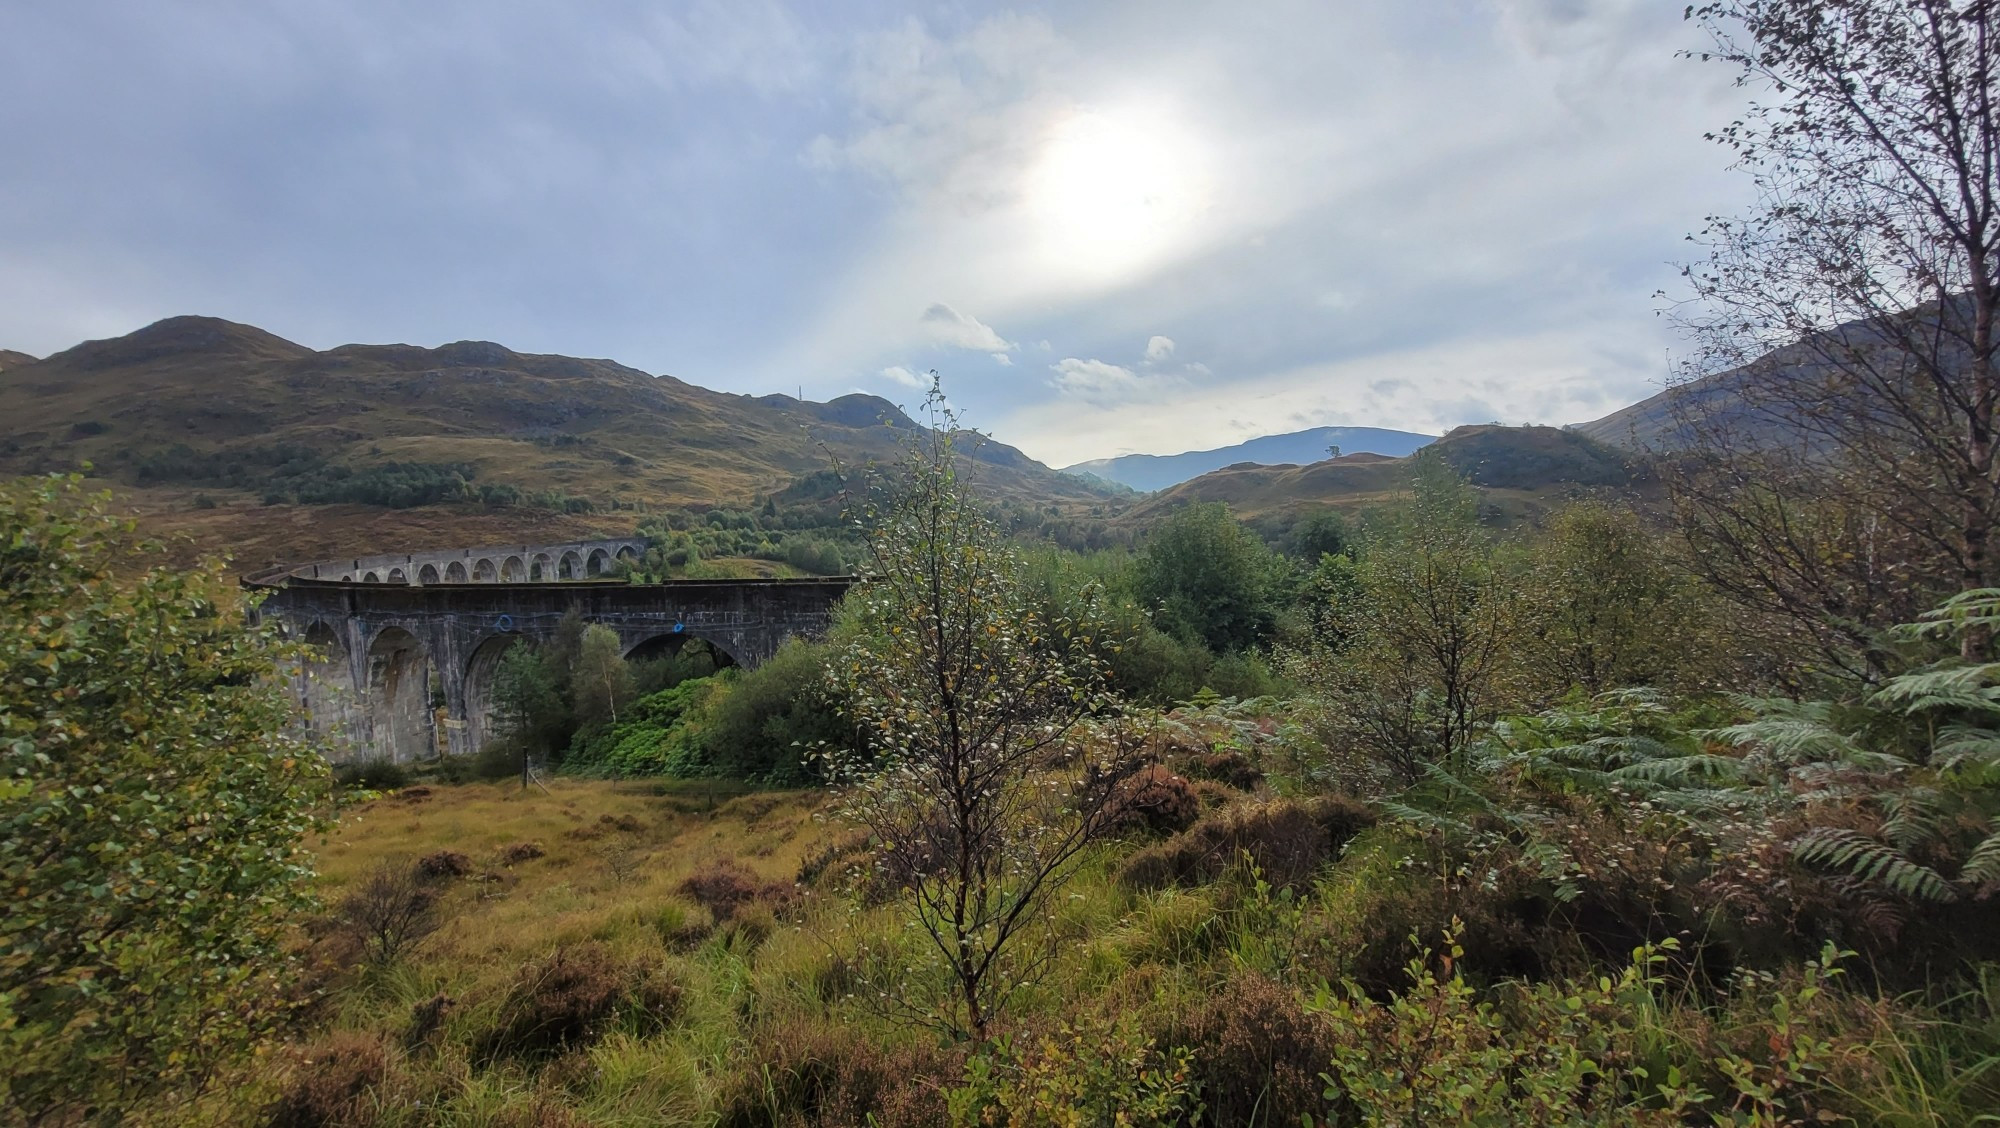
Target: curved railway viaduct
407,661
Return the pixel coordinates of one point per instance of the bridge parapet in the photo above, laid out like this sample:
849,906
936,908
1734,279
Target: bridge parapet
503,563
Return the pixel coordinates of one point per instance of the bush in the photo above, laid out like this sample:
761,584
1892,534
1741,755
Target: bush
377,774
573,997
443,864
1153,667
155,800
725,888
519,852
1289,839
659,735
1257,1053
810,1075
391,910
1151,800
766,723
1225,766
1095,1072
337,1082
1209,580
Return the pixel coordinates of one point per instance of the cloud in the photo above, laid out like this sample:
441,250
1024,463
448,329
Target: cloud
1097,382
1367,189
947,326
1159,349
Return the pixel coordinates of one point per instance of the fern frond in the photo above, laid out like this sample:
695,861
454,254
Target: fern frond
1792,740
1953,686
1965,747
1979,607
1983,864
1426,820
1916,816
1682,770
1458,789
1872,860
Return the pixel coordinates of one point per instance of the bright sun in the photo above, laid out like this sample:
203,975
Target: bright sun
1113,191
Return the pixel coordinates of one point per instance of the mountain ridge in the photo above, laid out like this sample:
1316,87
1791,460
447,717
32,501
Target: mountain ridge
1153,472
1520,473
199,411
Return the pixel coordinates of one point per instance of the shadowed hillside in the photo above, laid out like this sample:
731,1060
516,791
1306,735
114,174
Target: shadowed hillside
251,422
1757,404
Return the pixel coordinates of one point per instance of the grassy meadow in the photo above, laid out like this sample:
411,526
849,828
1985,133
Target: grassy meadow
685,953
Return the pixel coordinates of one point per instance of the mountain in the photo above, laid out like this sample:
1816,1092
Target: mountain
1159,471
11,359
202,421
1740,402
1519,471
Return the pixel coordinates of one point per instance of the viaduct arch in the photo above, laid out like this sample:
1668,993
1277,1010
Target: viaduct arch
405,667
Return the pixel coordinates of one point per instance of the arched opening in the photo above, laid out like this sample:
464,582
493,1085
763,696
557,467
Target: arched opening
570,567
400,716
481,672
326,692
428,574
454,573
371,578
513,571
397,576
484,572
598,563
669,659
628,554
541,569
348,578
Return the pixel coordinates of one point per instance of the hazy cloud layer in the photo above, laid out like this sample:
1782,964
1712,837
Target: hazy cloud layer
1111,226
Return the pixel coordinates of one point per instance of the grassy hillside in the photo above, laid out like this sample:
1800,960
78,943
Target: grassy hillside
241,439
1521,472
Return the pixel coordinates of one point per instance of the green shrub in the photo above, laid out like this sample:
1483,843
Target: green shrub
378,773
1209,580
660,734
155,800
1095,1071
768,723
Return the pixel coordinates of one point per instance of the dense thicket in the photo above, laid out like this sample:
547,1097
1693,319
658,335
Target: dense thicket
155,797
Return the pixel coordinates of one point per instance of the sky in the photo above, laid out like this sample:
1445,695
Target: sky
1109,227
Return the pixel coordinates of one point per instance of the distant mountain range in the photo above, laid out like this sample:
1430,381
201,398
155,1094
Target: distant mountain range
1150,472
204,422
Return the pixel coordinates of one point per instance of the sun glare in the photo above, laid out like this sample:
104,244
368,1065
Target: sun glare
1112,191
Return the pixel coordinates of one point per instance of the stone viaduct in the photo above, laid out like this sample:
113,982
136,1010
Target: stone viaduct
406,661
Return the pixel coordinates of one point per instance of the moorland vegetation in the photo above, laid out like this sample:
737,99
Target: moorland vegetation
1676,811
